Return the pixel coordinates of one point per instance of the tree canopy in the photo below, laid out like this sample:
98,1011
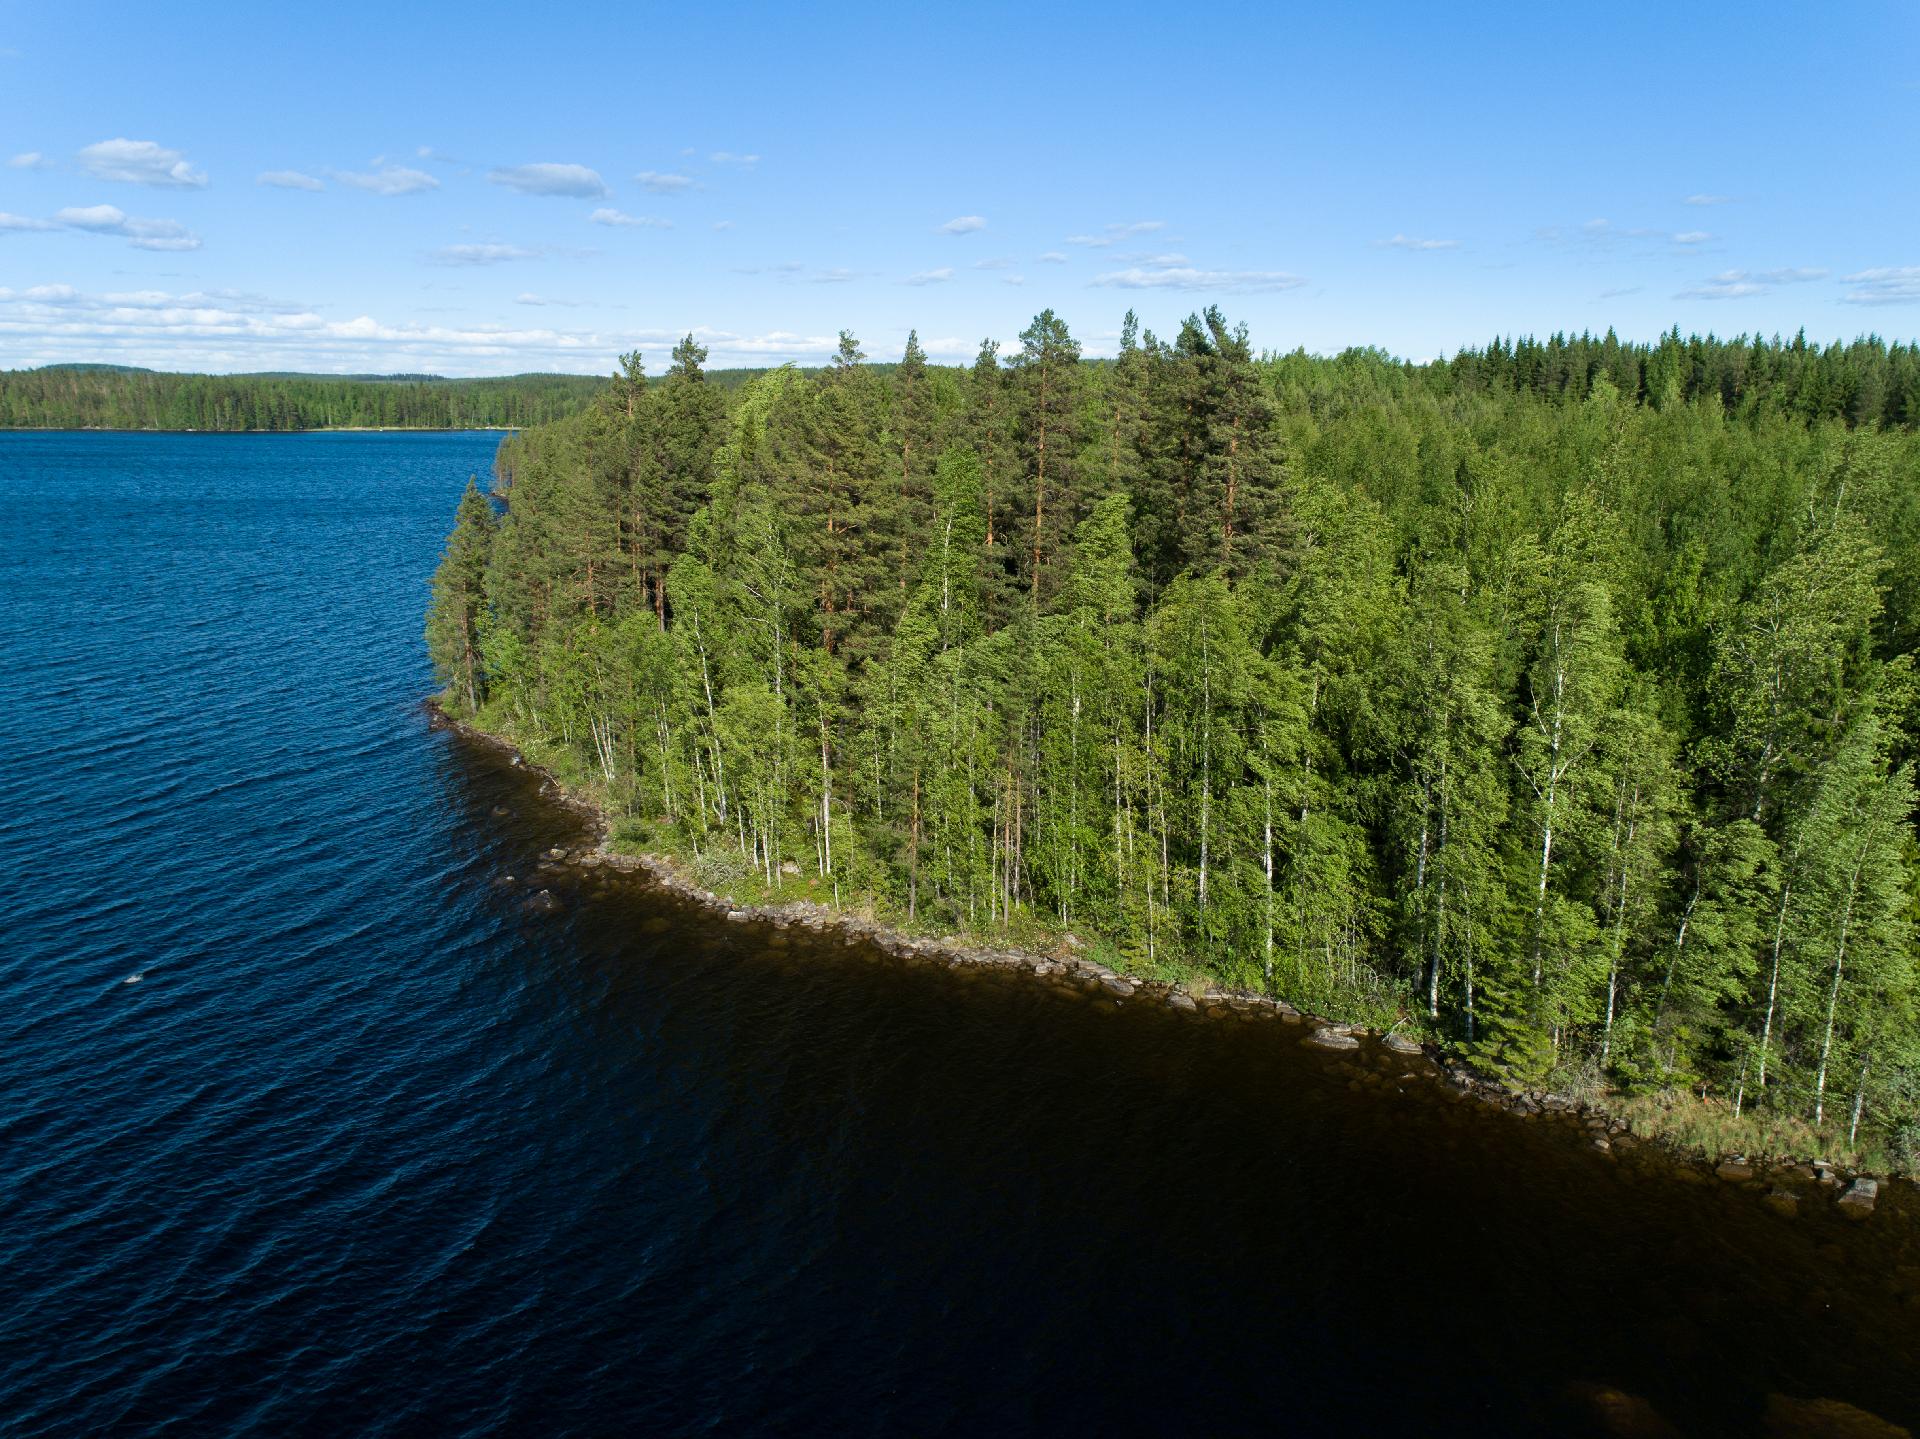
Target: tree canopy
1557,699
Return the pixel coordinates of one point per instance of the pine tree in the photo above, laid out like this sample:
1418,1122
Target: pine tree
1046,391
457,612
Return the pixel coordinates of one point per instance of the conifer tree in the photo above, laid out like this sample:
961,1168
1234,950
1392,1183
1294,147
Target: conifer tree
1046,391
457,613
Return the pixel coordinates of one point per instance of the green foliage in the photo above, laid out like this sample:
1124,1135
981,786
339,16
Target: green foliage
1556,699
68,397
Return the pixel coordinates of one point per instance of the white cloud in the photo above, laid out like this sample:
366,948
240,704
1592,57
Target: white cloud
483,254
837,276
140,162
1015,279
30,160
635,222
532,299
664,184
139,233
1053,257
1114,233
1742,284
1884,285
1708,199
388,180
288,180
23,222
727,157
1413,242
963,225
1605,235
951,347
221,331
930,277
1722,290
1185,277
999,262
427,152
1622,290
547,178
723,224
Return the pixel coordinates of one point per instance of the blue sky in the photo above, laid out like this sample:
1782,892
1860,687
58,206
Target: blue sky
482,189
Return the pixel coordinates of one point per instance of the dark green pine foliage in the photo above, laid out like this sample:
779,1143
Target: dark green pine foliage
915,436
988,428
1209,457
1557,700
458,606
1045,383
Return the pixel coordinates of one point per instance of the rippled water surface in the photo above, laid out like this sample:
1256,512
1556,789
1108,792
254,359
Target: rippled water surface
307,1127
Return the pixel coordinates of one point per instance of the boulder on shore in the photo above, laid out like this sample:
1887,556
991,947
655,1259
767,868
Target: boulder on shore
1858,1201
1331,1038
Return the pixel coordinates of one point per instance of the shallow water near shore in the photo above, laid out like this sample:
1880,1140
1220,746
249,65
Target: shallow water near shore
370,1147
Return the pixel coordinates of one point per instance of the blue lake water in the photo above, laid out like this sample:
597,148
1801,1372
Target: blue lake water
308,1127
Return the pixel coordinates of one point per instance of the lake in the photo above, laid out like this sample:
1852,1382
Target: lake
309,1127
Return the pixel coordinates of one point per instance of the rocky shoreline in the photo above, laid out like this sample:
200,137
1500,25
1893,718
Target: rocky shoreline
1366,1057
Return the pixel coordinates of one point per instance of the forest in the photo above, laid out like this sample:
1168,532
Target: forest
1555,701
108,397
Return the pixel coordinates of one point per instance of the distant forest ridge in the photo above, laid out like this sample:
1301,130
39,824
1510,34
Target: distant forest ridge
1866,382
110,397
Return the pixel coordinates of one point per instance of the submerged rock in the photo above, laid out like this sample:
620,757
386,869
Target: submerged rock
1734,1168
1331,1038
1182,1001
1825,1419
1620,1414
541,902
1858,1201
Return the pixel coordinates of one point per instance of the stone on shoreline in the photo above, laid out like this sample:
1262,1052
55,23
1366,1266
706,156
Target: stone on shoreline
1858,1201
1400,1044
1331,1038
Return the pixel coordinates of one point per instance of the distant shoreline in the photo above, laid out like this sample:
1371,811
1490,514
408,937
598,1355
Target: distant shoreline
313,430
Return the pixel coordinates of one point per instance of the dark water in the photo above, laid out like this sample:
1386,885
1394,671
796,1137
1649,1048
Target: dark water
368,1149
